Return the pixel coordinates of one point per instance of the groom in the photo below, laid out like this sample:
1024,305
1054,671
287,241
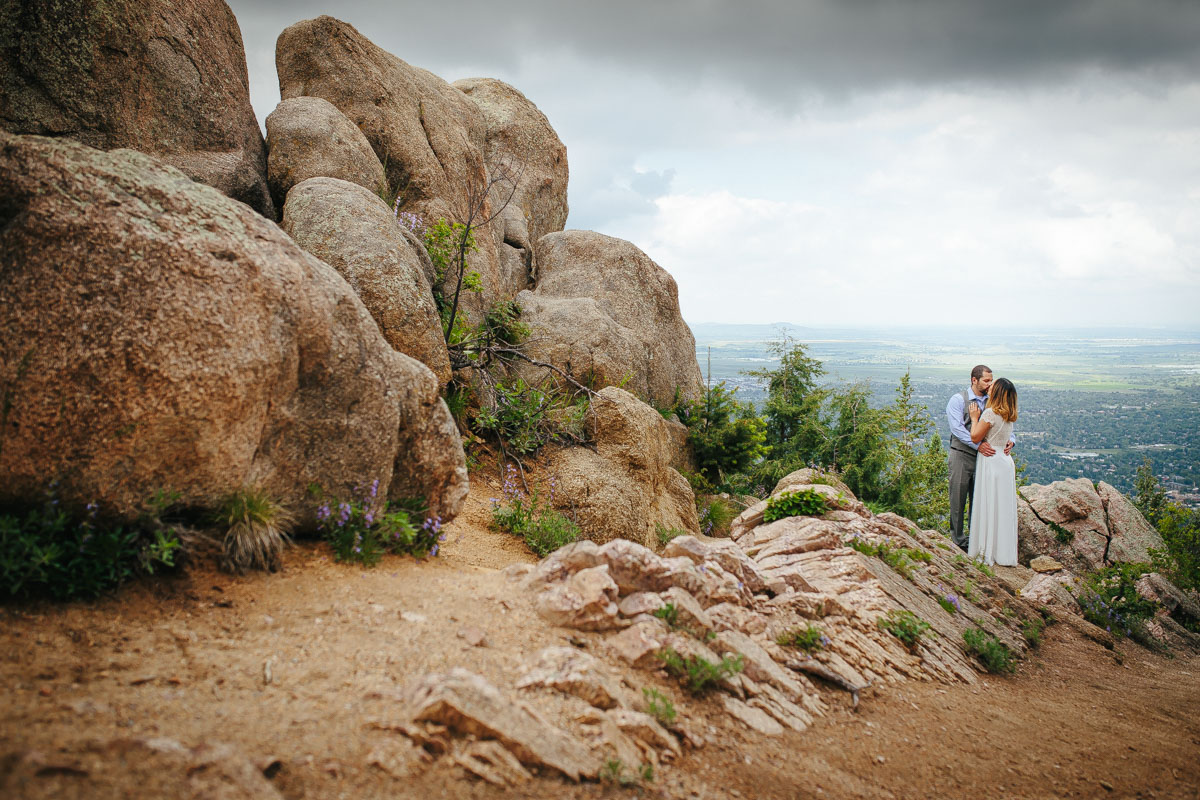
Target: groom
963,450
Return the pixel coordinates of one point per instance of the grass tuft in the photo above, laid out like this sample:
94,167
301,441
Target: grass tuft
256,531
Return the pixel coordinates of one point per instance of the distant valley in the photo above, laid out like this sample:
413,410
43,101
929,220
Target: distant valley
1094,402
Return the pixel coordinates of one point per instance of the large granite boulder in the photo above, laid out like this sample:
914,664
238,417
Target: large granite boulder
166,78
1085,526
155,334
1080,550
608,315
519,137
307,137
1132,537
429,135
626,488
353,231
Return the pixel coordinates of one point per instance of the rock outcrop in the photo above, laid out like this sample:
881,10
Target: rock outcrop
165,78
429,136
155,334
626,488
353,231
1081,525
307,137
737,597
160,767
608,315
519,138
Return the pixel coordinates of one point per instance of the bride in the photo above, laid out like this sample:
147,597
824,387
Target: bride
994,505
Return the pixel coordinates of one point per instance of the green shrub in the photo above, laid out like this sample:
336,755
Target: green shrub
360,531
802,502
1061,534
810,638
1179,558
898,558
543,529
985,569
1032,631
726,436
716,514
905,626
659,706
256,531
698,674
991,652
666,534
48,549
668,614
526,417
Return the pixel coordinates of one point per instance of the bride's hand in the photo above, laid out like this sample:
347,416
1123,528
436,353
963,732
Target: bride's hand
974,412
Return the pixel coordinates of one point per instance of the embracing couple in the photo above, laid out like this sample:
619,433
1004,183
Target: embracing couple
981,427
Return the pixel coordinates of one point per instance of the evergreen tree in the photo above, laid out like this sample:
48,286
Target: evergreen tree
917,475
726,436
1148,495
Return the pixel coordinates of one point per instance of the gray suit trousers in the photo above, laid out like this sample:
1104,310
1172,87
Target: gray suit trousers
962,486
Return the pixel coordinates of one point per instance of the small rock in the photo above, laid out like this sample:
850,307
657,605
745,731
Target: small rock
586,600
751,717
638,644
1045,564
641,603
879,759
569,670
473,636
413,617
468,704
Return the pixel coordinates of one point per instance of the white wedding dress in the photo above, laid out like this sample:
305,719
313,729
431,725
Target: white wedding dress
994,504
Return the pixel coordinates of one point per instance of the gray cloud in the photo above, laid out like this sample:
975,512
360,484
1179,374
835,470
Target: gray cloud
781,52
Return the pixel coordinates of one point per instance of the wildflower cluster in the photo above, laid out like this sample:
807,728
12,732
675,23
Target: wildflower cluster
543,529
948,600
1109,599
409,220
1102,614
360,532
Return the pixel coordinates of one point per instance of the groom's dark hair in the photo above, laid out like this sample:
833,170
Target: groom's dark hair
978,371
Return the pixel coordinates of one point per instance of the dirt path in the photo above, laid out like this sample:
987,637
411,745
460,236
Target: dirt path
302,670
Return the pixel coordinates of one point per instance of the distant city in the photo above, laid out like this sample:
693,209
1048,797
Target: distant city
1093,402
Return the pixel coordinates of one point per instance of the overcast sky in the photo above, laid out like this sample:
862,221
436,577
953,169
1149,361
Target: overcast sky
851,162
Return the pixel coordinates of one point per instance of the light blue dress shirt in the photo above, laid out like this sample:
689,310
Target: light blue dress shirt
954,415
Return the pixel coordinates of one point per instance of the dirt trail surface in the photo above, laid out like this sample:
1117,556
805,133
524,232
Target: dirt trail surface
300,673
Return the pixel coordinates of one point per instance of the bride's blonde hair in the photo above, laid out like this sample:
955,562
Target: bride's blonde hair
1002,398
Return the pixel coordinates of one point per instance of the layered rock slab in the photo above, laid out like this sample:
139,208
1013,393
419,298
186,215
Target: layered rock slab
164,78
155,334
604,312
352,230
